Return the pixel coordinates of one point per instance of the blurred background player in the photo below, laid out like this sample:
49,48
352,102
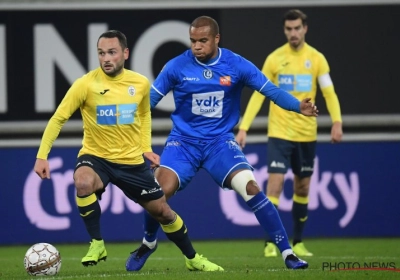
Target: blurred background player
115,108
295,67
207,83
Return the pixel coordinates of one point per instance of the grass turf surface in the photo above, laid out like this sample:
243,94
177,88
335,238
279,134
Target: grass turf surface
240,259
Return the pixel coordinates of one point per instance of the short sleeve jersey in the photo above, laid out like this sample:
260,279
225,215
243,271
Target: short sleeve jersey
207,96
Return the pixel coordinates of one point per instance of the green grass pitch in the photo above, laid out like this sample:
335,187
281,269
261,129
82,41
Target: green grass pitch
241,259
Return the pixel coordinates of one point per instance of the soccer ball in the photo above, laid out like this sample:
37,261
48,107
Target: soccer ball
42,259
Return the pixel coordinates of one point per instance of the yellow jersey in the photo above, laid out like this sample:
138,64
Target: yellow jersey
296,72
116,116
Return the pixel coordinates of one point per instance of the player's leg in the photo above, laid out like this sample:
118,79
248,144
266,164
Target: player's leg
154,202
88,182
228,166
176,231
273,190
300,214
178,166
243,182
169,182
302,165
279,152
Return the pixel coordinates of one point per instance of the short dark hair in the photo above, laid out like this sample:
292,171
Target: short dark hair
206,21
115,34
295,14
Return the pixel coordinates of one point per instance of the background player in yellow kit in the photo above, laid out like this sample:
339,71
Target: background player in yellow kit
115,108
297,68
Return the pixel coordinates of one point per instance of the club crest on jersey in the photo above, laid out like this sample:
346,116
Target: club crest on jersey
131,90
307,64
208,74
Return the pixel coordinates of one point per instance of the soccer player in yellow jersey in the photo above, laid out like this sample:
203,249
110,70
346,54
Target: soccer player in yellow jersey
115,108
297,68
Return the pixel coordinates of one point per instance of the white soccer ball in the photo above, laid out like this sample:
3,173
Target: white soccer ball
42,259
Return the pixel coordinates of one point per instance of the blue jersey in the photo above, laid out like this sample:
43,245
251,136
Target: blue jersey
207,95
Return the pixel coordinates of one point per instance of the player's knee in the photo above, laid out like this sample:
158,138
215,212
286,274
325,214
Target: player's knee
84,185
302,186
245,184
168,189
252,188
167,180
275,184
274,191
161,211
303,192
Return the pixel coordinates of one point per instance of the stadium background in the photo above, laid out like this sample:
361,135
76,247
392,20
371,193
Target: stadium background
361,44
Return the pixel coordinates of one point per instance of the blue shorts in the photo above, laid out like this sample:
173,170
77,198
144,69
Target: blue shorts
284,154
219,157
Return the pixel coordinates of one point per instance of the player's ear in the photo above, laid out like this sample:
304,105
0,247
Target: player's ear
217,37
126,53
305,29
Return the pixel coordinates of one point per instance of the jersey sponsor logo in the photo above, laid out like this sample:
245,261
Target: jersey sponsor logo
300,83
107,115
126,113
104,91
225,81
286,82
303,83
116,114
208,74
208,104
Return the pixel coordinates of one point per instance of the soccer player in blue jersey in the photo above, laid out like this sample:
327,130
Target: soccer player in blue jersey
207,82
115,107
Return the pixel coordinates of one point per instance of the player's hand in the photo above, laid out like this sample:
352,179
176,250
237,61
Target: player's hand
153,158
336,132
241,138
42,168
308,108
